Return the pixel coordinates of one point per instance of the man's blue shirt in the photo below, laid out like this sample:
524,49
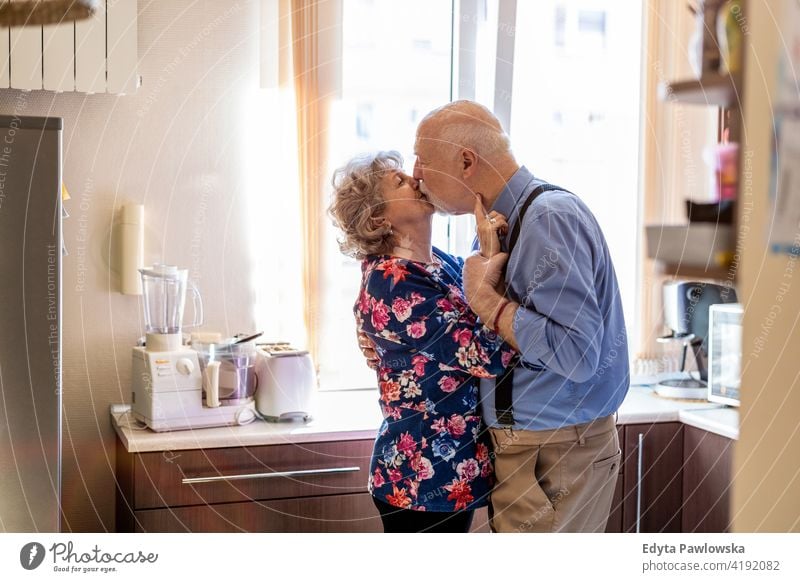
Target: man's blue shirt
570,326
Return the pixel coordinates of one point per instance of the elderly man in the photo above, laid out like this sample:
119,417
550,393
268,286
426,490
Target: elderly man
551,416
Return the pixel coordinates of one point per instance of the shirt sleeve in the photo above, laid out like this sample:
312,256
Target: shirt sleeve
559,324
407,315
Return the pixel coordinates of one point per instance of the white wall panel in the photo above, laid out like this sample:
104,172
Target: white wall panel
26,56
58,54
122,47
90,52
5,36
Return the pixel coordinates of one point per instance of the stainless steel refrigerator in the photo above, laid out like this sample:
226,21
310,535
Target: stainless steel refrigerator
30,324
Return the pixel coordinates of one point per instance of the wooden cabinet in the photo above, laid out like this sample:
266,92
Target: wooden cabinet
648,495
649,489
672,478
679,483
652,475
706,481
310,487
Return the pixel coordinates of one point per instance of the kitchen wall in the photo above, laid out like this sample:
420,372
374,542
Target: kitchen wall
179,146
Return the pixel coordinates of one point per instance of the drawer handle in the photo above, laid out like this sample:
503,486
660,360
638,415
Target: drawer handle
305,472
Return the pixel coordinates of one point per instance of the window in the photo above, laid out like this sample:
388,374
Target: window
573,95
395,68
575,116
592,26
561,26
580,26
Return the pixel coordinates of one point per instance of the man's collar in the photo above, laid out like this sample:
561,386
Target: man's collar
514,189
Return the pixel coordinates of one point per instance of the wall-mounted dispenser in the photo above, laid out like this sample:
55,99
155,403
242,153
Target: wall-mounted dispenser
131,248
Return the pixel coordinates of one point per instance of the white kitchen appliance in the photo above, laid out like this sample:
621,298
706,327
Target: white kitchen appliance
287,383
725,353
686,312
167,379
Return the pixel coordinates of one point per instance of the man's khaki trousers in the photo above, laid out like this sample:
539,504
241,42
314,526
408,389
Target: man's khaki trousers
558,480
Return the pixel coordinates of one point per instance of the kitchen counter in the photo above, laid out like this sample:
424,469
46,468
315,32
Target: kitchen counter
355,415
642,405
723,421
340,416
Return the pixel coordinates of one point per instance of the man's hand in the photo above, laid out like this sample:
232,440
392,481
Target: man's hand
368,349
489,227
482,277
484,287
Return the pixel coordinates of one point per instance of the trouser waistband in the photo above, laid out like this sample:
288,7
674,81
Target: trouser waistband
575,433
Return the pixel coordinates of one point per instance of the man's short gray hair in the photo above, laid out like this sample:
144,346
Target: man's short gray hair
358,201
467,124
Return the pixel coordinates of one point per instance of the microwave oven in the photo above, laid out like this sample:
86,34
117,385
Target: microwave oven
725,353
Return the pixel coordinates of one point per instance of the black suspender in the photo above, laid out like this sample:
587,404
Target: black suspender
503,397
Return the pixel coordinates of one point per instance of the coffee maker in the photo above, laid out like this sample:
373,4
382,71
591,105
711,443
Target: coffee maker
167,376
686,312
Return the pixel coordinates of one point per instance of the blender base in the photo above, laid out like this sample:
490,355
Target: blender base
200,418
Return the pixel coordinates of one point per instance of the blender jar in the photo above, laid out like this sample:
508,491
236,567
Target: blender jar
164,294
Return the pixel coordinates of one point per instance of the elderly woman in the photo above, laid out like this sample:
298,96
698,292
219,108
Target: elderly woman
430,468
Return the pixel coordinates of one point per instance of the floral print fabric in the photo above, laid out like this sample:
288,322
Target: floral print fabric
430,453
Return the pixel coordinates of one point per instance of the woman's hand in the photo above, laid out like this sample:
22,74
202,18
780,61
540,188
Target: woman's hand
367,348
490,226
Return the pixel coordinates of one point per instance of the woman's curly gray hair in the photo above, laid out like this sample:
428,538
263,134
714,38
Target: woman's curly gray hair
358,201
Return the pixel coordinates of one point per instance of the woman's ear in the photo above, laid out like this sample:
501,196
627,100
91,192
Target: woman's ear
380,221
469,163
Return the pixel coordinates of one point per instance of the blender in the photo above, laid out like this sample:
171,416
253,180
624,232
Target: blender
167,379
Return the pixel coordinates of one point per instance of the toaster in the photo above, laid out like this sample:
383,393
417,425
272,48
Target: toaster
287,383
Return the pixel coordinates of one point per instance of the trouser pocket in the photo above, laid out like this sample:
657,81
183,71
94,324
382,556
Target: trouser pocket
609,465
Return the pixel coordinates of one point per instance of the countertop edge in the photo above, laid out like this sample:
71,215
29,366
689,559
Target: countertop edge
184,441
693,419
648,417
688,417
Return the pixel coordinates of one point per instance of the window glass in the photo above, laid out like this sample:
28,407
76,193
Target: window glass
395,69
575,114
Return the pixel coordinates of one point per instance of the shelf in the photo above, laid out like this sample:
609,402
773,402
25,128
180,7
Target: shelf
713,89
697,243
682,271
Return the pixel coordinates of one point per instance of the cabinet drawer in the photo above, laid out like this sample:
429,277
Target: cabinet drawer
332,513
201,477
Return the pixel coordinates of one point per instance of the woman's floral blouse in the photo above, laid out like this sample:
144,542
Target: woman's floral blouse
430,453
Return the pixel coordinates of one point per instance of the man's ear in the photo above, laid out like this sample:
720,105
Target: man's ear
469,163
